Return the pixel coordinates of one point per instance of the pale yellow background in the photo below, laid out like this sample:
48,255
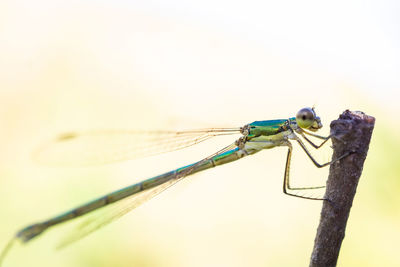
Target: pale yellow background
73,65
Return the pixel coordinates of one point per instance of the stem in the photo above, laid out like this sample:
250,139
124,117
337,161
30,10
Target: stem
351,134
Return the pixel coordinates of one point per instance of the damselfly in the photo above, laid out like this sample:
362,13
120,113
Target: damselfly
255,137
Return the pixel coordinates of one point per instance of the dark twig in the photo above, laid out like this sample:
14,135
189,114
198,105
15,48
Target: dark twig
351,134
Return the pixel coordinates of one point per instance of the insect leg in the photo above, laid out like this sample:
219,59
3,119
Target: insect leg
286,179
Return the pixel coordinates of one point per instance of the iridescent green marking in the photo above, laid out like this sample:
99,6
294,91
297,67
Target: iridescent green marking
266,128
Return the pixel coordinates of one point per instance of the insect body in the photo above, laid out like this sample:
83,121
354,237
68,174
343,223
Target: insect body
255,137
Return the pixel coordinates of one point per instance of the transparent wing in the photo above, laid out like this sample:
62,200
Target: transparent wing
106,146
107,214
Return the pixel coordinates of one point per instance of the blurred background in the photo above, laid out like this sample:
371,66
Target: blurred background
82,65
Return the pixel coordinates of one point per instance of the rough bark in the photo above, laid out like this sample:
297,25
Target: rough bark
351,134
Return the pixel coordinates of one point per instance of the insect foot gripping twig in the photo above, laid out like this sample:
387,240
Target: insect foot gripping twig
351,134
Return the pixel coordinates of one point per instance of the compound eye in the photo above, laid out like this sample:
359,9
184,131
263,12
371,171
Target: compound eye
305,117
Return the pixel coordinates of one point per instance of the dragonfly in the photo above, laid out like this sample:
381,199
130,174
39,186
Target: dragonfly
255,136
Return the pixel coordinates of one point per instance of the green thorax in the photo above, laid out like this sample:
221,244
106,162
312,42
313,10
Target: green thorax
269,127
